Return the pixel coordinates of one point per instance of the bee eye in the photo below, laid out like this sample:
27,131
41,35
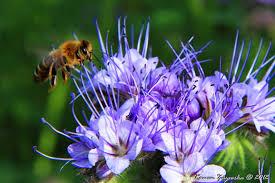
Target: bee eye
84,50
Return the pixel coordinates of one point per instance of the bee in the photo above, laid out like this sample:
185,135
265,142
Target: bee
67,56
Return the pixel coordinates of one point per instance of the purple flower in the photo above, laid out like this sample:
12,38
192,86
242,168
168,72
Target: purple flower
193,169
84,152
248,101
189,153
193,108
136,107
118,142
258,108
164,82
128,69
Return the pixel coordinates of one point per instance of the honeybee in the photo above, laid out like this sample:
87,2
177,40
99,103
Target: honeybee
67,56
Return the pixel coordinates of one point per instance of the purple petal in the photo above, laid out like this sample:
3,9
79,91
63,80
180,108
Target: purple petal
168,143
78,151
148,145
82,164
199,124
171,161
171,174
107,129
133,56
187,140
194,109
124,110
212,171
117,164
104,78
135,150
102,171
93,156
125,131
212,145
193,163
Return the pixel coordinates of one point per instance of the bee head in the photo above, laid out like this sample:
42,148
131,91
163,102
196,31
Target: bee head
85,50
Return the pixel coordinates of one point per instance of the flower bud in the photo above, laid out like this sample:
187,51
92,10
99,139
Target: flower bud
194,109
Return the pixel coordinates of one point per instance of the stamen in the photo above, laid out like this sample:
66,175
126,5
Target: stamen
234,54
100,41
85,117
124,34
264,106
57,131
266,54
95,93
139,37
262,66
209,160
208,136
255,60
129,135
75,117
83,97
65,164
269,70
238,127
246,58
50,157
238,62
106,42
270,91
146,40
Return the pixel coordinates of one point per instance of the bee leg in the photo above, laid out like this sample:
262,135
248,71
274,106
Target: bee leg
66,72
64,60
68,69
53,81
65,75
53,76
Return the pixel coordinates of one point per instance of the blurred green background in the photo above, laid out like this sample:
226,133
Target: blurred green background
29,29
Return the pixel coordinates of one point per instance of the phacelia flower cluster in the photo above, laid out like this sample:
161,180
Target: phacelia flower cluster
138,105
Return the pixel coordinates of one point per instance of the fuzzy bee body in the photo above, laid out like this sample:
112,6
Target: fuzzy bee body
67,56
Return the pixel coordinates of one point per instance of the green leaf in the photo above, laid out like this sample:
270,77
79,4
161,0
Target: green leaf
248,145
241,155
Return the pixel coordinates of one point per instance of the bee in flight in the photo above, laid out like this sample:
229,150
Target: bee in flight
68,55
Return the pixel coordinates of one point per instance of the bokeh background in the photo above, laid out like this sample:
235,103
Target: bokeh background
29,30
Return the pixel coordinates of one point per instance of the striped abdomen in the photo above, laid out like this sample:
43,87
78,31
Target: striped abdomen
44,70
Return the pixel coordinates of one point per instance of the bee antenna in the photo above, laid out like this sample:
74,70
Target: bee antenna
75,36
53,47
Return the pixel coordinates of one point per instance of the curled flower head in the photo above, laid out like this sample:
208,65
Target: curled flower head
128,68
137,107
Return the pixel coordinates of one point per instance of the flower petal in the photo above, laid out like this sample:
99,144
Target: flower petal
193,163
171,174
212,173
82,163
135,149
117,164
93,156
107,129
78,151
